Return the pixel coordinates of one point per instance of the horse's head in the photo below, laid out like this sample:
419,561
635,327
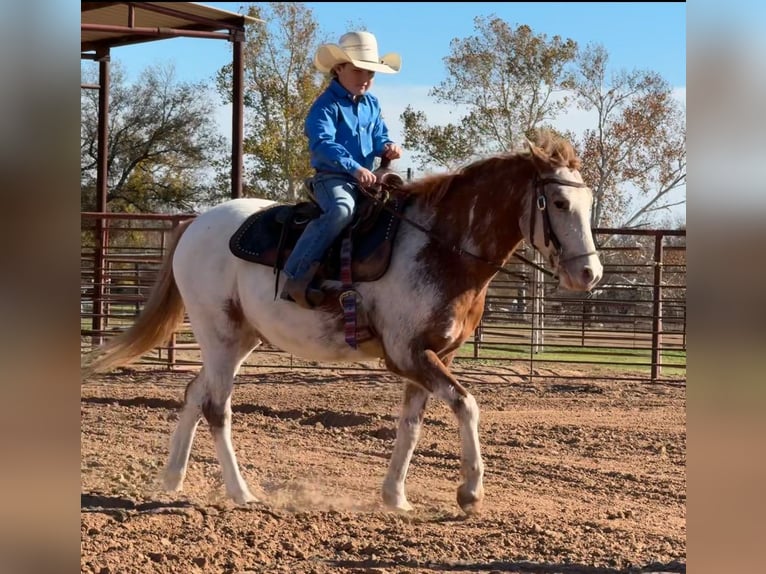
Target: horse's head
557,219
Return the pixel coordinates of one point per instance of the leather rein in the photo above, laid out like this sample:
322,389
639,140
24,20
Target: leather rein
540,203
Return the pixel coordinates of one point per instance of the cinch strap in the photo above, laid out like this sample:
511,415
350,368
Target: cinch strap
348,299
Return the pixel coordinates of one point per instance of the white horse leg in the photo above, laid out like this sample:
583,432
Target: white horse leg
407,434
224,363
217,411
183,436
471,492
225,341
434,374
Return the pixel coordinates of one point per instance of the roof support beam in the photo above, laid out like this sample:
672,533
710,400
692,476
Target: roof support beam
149,31
102,56
151,7
102,31
237,117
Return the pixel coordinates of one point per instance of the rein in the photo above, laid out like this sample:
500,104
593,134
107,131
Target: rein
384,165
430,233
541,203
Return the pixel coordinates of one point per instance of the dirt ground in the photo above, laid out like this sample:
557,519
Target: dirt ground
581,477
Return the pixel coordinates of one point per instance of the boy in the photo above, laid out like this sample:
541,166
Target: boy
346,132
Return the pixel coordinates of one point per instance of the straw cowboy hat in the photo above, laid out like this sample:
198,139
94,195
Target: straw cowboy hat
359,48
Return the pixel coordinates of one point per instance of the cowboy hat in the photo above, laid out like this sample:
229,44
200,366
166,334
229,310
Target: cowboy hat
360,49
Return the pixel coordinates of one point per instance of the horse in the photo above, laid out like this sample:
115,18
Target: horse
456,232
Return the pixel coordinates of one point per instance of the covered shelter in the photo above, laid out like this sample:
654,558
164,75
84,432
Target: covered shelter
108,25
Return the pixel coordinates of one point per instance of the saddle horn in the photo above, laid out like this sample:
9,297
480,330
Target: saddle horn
385,175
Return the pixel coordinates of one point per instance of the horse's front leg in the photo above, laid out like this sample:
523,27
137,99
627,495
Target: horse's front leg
407,434
436,376
471,492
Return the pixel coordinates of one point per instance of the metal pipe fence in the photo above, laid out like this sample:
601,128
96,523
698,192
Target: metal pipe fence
632,326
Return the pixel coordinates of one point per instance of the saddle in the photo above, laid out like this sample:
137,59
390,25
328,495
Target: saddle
269,236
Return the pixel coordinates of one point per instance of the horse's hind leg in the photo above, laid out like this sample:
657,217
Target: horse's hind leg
183,436
223,363
209,395
407,434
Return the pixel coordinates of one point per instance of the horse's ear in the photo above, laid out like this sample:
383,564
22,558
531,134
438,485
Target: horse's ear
538,156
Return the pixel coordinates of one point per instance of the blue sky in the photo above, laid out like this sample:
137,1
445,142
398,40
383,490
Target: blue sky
648,36
643,36
637,36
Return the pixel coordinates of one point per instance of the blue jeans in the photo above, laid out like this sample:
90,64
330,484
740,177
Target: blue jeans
336,195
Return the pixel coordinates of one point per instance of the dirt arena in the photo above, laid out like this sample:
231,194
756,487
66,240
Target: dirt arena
581,477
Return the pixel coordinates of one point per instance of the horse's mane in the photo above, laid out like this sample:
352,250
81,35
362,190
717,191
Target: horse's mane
553,150
558,151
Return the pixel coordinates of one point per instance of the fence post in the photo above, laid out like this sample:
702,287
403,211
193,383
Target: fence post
537,306
99,276
172,342
477,337
657,309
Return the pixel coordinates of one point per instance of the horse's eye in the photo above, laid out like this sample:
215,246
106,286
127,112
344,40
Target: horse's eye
561,204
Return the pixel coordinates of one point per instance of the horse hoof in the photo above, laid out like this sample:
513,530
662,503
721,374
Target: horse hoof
243,498
172,481
400,507
470,501
397,503
403,506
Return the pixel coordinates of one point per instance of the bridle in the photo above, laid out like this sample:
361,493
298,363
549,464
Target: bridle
541,204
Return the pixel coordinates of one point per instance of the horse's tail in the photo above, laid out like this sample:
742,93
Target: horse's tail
158,320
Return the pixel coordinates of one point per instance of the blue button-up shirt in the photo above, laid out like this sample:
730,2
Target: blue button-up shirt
344,134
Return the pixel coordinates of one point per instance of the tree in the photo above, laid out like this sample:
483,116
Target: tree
447,146
639,140
508,81
162,144
281,83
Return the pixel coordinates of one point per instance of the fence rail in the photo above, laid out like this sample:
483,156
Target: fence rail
632,326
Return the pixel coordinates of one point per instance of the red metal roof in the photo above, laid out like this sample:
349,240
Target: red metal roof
110,24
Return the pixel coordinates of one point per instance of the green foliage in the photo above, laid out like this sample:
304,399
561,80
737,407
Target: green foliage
639,139
162,140
504,79
509,83
446,146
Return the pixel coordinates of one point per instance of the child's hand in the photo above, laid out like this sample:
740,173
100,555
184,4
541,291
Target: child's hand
392,151
365,176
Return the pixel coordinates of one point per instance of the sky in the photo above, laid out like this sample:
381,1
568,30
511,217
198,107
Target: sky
637,36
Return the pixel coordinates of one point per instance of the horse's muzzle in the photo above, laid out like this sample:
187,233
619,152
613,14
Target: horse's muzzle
580,274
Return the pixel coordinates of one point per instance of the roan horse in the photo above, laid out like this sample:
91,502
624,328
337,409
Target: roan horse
457,231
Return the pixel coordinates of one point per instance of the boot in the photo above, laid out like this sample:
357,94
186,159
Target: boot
300,291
